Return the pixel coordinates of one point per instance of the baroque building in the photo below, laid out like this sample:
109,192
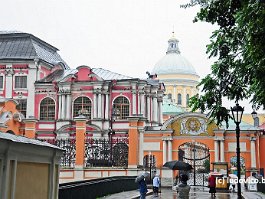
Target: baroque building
110,124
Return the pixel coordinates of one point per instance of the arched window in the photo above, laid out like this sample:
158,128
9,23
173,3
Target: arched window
179,99
47,109
169,96
121,108
187,99
82,105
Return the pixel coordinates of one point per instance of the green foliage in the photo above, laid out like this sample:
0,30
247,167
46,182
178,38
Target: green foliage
239,46
206,165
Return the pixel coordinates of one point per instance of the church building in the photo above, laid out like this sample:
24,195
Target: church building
111,124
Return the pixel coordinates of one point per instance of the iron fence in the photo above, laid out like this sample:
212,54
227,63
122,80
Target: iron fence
68,145
104,152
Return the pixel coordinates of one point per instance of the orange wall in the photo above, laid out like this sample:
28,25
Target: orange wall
12,125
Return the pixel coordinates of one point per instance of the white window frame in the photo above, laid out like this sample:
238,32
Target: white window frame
14,82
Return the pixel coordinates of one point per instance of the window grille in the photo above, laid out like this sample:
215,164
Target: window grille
121,107
20,81
47,109
82,105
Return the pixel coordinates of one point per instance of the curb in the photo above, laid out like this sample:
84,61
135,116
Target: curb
150,192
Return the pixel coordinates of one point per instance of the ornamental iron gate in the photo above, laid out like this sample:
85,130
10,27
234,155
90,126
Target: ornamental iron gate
196,154
106,152
68,145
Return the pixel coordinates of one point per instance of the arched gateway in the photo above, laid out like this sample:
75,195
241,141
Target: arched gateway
192,141
196,154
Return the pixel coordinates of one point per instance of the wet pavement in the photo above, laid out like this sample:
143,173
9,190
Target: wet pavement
195,192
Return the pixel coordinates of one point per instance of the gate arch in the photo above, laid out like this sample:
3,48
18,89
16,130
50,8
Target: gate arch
198,155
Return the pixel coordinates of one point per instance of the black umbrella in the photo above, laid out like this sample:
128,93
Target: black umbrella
178,165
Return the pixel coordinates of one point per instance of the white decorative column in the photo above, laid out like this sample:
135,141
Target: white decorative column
148,114
134,102
138,103
164,151
99,105
154,106
59,106
63,107
169,150
107,107
184,97
222,150
31,78
95,106
142,104
216,150
174,93
9,82
69,106
160,112
141,150
253,152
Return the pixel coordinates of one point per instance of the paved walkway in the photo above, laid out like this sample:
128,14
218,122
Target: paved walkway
196,192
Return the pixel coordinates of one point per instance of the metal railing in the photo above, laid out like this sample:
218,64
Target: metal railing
91,189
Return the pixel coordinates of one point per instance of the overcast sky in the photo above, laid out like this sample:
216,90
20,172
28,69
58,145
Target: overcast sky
124,36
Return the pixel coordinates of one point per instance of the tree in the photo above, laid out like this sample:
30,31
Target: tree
239,46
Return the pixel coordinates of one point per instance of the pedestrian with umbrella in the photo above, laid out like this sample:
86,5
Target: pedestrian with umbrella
183,189
178,165
232,181
142,184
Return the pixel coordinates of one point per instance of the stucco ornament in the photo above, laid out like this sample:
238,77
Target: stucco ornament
193,126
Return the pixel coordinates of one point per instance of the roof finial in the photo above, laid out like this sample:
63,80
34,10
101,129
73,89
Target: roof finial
173,32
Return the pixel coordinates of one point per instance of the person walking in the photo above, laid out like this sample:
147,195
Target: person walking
212,185
156,184
183,189
142,187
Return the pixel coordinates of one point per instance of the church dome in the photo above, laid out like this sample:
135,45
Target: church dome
173,62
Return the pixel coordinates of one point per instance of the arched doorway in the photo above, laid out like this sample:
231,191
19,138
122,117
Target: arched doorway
196,154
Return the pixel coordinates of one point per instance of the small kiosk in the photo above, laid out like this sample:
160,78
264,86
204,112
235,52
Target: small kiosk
221,173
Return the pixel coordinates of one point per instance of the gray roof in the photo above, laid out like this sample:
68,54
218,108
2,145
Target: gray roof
25,140
244,126
25,46
109,75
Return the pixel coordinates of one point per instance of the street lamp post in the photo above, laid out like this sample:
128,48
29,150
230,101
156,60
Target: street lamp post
150,166
111,132
194,157
237,112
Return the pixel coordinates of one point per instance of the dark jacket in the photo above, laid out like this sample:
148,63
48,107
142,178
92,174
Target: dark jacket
183,190
142,186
